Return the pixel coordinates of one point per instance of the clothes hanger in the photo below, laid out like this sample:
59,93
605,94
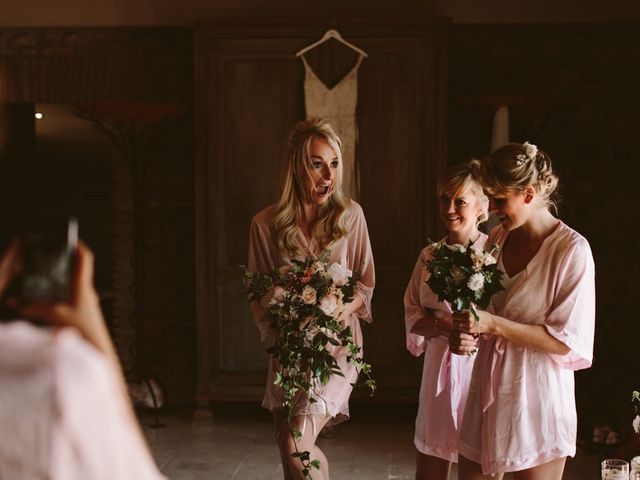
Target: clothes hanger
327,35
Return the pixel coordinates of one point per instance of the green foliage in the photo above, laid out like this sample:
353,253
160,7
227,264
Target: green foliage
451,269
307,331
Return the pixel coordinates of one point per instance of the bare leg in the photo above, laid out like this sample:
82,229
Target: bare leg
548,471
431,468
292,466
278,421
468,470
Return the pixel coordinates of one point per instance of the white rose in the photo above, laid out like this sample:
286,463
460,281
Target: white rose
339,274
476,282
489,259
328,304
530,149
457,275
309,295
456,247
636,424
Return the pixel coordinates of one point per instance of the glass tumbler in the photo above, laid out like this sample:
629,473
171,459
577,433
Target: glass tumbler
615,469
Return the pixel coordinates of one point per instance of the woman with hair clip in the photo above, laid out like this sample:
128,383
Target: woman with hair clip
312,216
521,415
462,205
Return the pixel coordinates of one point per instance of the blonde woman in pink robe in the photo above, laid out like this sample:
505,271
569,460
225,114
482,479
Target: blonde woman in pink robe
312,216
521,415
462,205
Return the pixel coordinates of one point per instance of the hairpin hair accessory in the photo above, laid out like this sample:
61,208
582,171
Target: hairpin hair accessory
531,151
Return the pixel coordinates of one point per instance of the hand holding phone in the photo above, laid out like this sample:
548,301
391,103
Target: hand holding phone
47,253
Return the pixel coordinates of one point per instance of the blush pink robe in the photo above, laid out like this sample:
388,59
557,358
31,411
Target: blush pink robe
353,252
62,415
445,377
521,408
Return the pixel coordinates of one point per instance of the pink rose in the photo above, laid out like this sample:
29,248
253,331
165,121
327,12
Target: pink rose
309,295
278,295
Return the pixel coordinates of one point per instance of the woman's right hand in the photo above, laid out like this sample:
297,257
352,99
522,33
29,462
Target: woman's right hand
430,326
82,311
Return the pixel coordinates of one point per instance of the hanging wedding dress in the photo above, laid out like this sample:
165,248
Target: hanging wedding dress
337,105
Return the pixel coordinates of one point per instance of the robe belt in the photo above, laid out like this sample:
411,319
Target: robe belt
444,379
490,387
495,347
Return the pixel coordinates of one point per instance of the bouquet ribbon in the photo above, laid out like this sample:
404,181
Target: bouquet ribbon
444,372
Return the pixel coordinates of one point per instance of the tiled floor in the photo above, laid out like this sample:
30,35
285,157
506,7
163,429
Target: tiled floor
237,444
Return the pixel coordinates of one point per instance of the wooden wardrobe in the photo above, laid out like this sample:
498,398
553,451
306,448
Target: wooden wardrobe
248,95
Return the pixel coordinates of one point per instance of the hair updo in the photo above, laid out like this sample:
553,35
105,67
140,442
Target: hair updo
458,178
516,166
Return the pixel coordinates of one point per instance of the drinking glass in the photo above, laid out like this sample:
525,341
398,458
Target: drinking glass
615,469
635,469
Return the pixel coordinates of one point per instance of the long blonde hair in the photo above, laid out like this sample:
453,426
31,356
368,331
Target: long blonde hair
296,188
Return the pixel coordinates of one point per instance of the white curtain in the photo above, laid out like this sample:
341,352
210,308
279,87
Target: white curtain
499,137
500,133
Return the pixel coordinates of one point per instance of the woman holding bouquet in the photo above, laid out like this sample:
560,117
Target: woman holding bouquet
312,216
520,415
445,378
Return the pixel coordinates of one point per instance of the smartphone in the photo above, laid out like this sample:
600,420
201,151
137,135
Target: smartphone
47,251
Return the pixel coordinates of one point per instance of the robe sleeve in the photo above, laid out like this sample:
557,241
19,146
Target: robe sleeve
260,261
362,262
572,316
413,310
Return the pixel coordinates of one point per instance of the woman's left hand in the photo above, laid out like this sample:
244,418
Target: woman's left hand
466,322
462,343
350,308
345,313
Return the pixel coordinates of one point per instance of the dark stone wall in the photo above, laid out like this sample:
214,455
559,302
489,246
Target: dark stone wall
575,94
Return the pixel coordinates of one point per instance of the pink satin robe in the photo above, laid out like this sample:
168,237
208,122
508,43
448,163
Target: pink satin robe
353,252
62,414
521,408
445,377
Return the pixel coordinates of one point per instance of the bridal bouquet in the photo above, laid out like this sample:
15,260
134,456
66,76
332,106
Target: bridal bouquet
303,302
463,276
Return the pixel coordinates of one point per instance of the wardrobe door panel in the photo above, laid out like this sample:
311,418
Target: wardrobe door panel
249,93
